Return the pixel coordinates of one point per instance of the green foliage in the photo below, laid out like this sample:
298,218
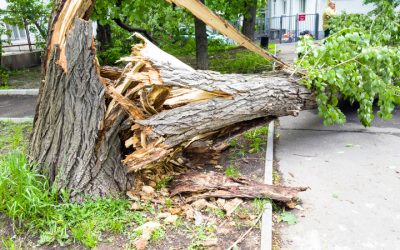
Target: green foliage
259,205
256,138
34,206
9,244
158,18
232,171
157,234
287,217
164,182
4,76
201,233
224,58
14,136
359,62
35,12
232,10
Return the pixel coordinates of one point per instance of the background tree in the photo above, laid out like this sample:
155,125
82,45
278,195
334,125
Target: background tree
201,43
32,13
237,10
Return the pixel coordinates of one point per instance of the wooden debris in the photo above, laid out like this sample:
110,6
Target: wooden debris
112,73
212,184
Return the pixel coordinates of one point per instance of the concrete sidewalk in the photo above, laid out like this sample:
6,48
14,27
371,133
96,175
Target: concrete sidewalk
354,176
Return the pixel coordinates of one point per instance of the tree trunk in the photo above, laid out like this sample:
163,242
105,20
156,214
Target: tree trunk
104,36
68,140
249,20
90,131
173,105
201,43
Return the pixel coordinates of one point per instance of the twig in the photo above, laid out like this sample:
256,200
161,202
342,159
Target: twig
240,239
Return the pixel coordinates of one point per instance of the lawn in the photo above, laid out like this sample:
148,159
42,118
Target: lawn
223,58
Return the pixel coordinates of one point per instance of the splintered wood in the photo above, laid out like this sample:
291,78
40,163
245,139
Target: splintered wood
170,105
202,185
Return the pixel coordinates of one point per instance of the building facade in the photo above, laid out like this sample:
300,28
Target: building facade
291,17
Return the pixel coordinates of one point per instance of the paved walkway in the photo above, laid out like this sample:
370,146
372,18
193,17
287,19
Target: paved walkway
17,106
354,176
286,51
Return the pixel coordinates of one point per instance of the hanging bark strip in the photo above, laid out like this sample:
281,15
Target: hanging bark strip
201,185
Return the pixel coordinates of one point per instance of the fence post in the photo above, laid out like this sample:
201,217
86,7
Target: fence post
316,26
280,29
296,28
28,38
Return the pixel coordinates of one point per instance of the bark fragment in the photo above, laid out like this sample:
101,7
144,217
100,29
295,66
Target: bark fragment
212,184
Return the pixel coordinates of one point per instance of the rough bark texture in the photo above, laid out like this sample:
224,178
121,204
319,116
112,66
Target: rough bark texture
68,141
249,20
196,104
220,186
201,43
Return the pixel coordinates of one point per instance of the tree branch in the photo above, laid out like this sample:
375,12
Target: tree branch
129,28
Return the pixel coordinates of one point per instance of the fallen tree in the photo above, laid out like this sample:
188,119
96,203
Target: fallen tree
95,127
90,132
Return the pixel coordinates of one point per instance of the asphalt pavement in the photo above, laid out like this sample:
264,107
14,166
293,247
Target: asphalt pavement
354,178
17,106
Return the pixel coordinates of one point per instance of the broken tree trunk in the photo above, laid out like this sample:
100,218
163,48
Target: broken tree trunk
93,128
178,105
68,139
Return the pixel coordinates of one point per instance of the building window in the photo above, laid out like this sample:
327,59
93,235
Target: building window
302,7
284,7
274,9
16,33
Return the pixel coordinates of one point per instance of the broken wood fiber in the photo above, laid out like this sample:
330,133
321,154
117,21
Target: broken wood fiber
171,105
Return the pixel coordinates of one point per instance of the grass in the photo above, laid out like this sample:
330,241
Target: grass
232,171
253,141
222,57
14,136
201,233
24,78
37,209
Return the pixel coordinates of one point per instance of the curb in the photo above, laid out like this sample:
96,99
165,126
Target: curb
11,92
16,120
266,222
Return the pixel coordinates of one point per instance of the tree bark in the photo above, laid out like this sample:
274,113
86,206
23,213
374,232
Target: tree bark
104,36
186,104
68,141
249,19
201,43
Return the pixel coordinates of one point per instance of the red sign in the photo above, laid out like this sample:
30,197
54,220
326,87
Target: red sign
302,17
